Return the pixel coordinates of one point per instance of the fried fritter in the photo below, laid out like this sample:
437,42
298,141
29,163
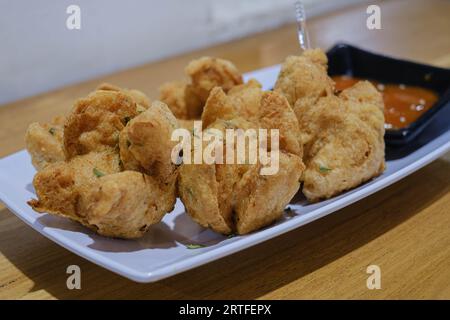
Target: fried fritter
275,113
139,97
145,143
342,135
206,73
186,100
304,76
59,185
44,142
236,197
182,101
268,110
125,204
90,188
95,122
199,190
344,144
260,200
186,124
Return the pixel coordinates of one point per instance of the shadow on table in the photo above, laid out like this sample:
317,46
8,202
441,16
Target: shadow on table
249,274
159,236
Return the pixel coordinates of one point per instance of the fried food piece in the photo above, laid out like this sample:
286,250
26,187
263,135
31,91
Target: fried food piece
207,189
241,101
236,198
44,142
186,124
207,73
118,204
181,99
344,144
199,189
218,106
145,143
260,200
95,122
59,185
275,113
304,76
225,197
342,136
246,99
186,100
125,204
268,110
89,187
139,97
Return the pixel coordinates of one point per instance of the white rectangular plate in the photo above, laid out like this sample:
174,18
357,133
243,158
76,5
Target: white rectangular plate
162,252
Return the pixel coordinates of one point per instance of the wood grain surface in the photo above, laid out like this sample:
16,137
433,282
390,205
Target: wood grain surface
404,228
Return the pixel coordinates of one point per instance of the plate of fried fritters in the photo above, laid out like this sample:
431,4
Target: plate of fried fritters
101,182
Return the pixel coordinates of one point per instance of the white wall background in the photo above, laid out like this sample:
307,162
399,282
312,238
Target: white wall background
38,53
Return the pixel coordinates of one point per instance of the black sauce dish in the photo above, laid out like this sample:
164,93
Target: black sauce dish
345,59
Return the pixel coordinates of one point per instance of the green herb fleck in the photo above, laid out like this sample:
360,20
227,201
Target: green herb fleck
52,131
140,108
190,193
195,246
324,169
232,235
98,173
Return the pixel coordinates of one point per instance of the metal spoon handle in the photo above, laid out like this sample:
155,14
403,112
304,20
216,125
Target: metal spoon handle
303,37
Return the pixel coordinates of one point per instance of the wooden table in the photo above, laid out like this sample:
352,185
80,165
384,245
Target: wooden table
404,228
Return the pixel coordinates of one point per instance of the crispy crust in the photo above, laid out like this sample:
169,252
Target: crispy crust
44,142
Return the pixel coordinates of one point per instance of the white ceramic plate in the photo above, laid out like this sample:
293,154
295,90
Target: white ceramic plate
162,252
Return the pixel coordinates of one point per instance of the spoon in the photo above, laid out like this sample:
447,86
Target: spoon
300,16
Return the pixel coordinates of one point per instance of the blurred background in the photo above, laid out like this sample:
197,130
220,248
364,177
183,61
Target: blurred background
39,53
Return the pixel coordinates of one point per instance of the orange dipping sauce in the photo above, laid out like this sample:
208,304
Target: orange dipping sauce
402,104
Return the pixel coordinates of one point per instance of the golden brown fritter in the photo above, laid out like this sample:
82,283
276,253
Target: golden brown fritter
145,143
199,189
207,189
186,124
268,110
139,97
186,100
206,73
44,142
90,188
125,204
181,100
241,101
246,99
236,197
95,122
275,113
59,185
304,76
342,135
260,200
344,145
218,106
